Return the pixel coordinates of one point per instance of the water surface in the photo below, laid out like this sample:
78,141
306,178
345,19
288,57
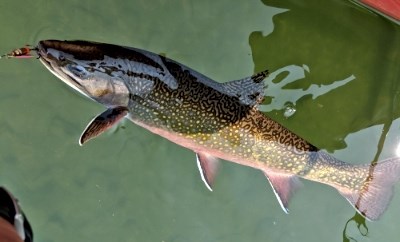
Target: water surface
334,63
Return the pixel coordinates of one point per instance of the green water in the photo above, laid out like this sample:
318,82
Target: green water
335,63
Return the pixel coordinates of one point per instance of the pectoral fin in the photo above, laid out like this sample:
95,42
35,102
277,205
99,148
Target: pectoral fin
284,187
102,122
208,166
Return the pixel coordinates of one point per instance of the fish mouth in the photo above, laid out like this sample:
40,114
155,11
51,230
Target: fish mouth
56,67
44,57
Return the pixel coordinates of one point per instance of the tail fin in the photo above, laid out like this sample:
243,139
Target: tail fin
374,197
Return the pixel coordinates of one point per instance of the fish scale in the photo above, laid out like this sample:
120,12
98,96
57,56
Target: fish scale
215,120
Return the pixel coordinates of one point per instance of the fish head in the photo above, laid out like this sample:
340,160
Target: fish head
85,67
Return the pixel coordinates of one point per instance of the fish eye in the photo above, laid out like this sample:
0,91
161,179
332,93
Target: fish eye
78,70
61,58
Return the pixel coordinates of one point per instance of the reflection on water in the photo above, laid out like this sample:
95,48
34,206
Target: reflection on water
360,221
278,93
302,35
133,186
360,224
307,35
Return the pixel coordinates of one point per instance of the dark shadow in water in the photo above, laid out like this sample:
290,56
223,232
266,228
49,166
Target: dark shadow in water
361,226
329,40
333,40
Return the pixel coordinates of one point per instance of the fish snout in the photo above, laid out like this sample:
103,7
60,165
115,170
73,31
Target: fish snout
48,51
41,49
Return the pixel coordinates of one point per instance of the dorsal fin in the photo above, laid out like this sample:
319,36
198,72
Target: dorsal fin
249,90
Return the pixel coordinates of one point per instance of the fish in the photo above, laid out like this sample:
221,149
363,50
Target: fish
215,120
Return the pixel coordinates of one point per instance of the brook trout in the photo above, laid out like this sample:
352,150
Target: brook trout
215,120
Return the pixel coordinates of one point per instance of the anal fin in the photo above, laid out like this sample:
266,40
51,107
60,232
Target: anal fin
102,122
208,166
284,186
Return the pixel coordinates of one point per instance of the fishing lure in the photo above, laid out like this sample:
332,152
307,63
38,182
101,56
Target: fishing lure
24,52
